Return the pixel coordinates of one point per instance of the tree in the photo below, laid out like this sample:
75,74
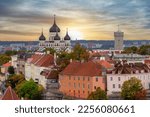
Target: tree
51,50
63,59
11,70
80,53
4,59
132,89
132,49
30,90
14,80
10,53
99,94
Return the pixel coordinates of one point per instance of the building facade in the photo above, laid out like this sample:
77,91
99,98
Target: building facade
78,79
36,64
124,72
55,41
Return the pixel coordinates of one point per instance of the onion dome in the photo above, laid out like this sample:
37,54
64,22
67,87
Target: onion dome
57,37
42,37
67,37
54,28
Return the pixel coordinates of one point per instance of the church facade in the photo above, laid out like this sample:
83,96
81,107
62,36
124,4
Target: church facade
55,41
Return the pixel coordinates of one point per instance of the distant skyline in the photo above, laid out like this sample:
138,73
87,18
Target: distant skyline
85,19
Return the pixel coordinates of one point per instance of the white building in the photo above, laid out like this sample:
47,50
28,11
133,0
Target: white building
36,65
130,58
55,41
123,72
118,39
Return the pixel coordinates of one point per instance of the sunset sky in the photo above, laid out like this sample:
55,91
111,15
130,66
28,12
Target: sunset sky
85,19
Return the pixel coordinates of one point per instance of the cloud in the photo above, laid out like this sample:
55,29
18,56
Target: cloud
89,16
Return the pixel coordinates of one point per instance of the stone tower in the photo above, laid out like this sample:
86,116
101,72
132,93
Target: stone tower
118,39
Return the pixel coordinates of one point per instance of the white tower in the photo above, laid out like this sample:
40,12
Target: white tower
118,39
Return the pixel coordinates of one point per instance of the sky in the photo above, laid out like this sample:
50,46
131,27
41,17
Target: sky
85,19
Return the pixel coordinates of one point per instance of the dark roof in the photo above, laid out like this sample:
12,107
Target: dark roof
10,94
130,68
89,68
42,37
49,74
54,28
57,37
67,37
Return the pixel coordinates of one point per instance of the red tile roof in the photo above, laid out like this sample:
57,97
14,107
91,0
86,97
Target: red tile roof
42,60
10,94
7,64
105,64
89,68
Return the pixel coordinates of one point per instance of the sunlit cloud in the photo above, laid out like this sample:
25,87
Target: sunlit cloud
89,19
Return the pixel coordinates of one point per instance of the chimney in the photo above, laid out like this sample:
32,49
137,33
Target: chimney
48,52
70,60
55,58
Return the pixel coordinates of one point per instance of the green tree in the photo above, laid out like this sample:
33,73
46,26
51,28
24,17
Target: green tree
4,59
11,70
14,80
30,90
144,50
80,53
132,49
99,94
10,53
132,89
51,50
63,59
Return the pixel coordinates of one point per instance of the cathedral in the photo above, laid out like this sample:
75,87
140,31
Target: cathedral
55,41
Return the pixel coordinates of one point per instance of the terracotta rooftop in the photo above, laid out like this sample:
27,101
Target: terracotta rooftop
9,94
105,64
89,68
131,68
42,60
7,64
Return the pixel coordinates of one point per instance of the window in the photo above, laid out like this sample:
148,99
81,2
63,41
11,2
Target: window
83,86
83,91
79,85
96,79
74,78
78,78
69,84
111,78
103,80
118,78
95,87
119,86
88,78
88,86
83,78
113,85
69,77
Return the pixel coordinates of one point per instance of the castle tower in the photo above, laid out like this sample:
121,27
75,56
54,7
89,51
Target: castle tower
118,39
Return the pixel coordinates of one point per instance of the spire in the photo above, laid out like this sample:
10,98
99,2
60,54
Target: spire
42,31
66,31
54,19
